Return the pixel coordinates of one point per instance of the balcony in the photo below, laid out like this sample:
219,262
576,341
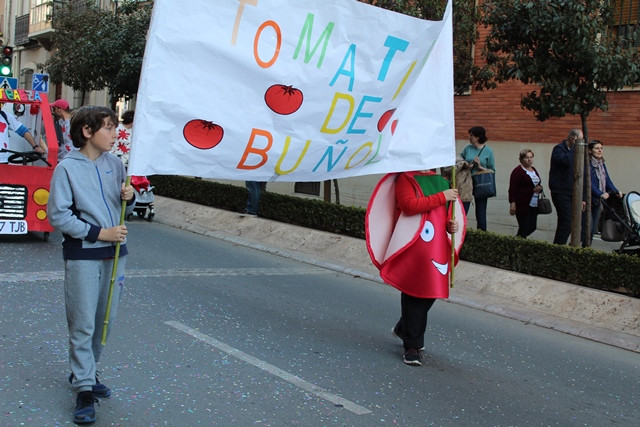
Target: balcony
35,28
22,31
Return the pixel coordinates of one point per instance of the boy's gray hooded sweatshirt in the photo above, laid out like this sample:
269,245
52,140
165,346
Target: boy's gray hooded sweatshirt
84,198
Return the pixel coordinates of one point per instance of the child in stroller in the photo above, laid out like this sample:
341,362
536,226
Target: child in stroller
144,197
621,223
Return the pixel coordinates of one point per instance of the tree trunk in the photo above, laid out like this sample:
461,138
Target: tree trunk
327,191
587,184
337,191
578,185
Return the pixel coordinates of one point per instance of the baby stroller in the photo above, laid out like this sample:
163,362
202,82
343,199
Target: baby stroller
621,222
144,197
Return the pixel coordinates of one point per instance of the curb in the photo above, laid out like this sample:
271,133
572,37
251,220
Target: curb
600,316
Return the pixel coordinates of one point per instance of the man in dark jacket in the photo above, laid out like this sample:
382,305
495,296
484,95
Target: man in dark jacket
561,183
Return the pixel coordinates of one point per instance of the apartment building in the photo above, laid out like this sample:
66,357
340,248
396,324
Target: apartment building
27,26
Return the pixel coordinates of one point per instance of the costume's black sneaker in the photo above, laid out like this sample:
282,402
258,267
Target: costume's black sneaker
397,335
413,357
85,412
98,390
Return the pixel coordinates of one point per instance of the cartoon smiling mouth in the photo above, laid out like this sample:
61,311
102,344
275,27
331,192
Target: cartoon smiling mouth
442,268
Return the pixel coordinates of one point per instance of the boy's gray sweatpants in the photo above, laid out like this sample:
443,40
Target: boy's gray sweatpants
86,290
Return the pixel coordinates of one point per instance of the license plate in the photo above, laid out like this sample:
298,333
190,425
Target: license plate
13,227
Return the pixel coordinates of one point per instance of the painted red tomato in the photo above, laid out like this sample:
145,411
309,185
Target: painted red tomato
283,99
384,119
202,133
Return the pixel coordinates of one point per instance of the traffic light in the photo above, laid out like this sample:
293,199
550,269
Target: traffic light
5,61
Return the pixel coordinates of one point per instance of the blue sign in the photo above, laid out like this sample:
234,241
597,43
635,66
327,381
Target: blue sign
8,83
40,83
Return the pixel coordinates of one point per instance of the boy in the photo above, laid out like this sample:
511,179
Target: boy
87,189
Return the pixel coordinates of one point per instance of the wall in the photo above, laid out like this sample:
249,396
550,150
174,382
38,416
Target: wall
499,111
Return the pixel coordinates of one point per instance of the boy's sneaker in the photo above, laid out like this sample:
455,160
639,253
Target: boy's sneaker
413,357
84,412
98,390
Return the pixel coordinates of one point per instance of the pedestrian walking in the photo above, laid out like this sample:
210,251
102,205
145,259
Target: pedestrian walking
601,187
524,192
561,184
480,159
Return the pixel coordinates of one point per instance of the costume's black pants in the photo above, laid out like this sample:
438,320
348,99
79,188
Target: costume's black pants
413,322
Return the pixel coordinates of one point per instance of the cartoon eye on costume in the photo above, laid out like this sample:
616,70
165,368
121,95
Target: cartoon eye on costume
428,231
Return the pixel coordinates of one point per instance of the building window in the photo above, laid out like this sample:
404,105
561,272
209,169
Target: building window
310,188
626,16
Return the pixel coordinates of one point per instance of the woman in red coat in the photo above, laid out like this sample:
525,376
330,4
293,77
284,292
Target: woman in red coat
524,191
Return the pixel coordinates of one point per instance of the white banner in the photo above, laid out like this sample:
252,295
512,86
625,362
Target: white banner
289,90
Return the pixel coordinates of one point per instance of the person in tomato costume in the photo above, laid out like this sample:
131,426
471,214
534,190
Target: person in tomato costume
409,232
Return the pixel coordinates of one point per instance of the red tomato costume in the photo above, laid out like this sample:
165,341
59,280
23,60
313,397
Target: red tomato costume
405,226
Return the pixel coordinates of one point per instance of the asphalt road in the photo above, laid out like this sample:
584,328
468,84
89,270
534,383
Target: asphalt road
210,333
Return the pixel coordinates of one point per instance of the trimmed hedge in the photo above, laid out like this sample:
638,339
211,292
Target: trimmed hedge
309,213
581,266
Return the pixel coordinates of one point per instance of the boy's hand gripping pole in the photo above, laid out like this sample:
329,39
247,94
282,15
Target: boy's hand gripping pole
114,270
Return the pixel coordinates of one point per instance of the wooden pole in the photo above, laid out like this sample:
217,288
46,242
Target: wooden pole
453,235
114,270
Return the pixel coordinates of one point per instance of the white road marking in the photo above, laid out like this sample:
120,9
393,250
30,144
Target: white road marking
293,379
43,276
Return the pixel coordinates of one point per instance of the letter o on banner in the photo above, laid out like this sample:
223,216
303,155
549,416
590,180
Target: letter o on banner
256,55
368,145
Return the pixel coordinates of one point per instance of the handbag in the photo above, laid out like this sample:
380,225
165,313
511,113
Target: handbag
544,204
612,231
484,184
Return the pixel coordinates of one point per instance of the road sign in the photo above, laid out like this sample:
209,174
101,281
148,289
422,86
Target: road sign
40,83
8,83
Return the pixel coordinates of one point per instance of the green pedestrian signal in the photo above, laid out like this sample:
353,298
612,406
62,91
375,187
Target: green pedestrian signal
5,61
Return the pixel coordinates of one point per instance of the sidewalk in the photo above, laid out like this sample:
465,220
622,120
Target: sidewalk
502,223
600,316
